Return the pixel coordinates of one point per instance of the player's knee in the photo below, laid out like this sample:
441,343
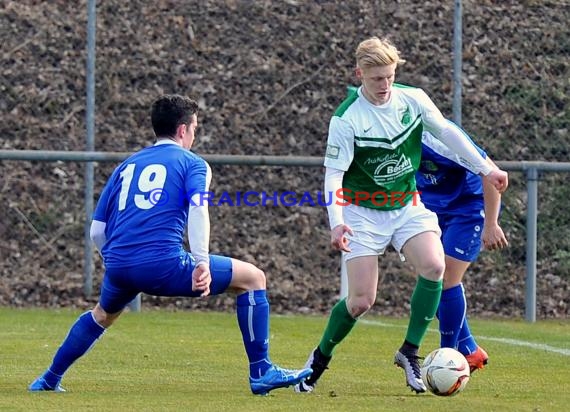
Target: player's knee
359,305
102,317
253,279
246,276
433,270
258,278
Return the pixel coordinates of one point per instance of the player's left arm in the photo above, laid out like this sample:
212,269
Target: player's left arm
100,214
454,138
493,236
436,145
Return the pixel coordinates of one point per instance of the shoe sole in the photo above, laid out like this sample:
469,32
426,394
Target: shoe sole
265,391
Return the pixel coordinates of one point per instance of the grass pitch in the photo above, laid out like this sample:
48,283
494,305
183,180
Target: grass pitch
174,361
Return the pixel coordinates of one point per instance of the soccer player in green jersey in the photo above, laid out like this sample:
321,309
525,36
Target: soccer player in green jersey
373,152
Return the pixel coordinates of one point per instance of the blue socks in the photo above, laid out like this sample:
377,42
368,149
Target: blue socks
81,337
253,320
466,343
453,326
451,314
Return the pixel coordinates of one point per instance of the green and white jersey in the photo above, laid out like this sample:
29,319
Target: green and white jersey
379,147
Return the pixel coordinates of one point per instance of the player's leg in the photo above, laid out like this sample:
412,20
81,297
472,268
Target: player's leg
452,306
462,244
249,283
372,233
362,275
418,240
83,334
425,254
227,274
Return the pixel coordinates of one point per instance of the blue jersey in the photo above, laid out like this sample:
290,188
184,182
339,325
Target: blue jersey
145,204
445,185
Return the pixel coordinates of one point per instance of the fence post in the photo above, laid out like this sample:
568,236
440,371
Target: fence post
457,61
531,242
89,146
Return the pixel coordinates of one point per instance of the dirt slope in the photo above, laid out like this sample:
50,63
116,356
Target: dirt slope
268,75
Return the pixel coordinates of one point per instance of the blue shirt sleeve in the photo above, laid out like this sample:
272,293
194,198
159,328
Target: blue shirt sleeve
196,180
102,204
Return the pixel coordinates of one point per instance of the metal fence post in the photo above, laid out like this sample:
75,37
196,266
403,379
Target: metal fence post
531,242
89,146
457,61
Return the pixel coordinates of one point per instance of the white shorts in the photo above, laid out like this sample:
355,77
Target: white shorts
375,229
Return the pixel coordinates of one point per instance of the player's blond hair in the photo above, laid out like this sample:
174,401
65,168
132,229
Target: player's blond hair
377,52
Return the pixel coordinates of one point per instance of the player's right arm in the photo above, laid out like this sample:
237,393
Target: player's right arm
99,222
97,233
333,184
338,157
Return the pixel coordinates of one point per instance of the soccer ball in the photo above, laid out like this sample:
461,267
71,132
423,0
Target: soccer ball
445,372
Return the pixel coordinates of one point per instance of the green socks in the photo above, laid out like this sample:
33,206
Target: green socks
339,326
424,303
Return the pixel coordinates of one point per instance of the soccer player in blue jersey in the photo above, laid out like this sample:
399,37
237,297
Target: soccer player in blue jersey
467,208
138,226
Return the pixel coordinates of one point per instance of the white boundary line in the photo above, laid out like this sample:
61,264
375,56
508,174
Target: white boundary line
514,342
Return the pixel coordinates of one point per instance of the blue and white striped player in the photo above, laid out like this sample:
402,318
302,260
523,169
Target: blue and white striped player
467,208
138,226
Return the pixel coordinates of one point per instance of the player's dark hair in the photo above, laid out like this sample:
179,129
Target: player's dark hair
170,111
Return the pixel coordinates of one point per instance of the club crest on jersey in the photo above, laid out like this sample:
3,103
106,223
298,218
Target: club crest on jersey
406,117
392,169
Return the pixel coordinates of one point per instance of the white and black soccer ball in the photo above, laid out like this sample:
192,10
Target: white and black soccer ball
445,372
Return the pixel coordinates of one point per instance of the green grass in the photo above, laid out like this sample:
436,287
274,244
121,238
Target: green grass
174,361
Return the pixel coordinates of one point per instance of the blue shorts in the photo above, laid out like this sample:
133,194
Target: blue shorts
461,235
169,277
